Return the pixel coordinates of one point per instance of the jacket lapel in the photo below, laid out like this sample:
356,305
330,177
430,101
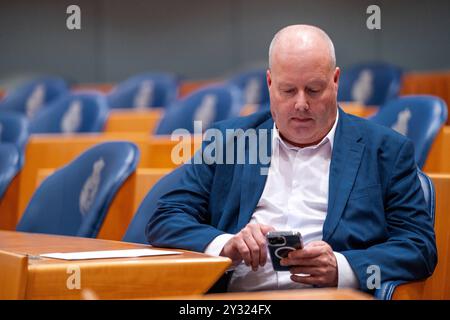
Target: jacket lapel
253,181
345,161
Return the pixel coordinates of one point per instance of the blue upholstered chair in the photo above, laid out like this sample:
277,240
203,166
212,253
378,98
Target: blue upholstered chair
75,199
386,291
370,83
32,96
208,105
10,165
418,117
145,91
13,129
136,229
253,85
74,113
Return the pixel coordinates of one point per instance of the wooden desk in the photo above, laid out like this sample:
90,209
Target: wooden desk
132,120
186,274
306,294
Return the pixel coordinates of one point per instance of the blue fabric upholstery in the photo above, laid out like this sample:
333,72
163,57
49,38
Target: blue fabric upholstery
418,117
144,91
10,165
386,291
370,83
13,129
253,85
208,105
74,113
34,95
75,199
136,229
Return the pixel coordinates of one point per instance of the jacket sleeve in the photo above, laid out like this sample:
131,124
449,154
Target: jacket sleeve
409,252
182,218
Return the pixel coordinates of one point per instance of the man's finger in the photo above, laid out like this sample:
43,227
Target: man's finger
244,251
261,241
254,250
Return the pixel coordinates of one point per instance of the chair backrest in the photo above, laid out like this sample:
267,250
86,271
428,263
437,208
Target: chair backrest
253,85
208,105
13,278
74,113
10,165
13,129
75,199
428,191
145,91
370,83
32,96
136,229
418,117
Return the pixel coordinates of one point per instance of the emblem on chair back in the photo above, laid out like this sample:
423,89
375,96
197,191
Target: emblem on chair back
35,101
206,112
253,91
90,187
144,96
71,120
363,87
401,126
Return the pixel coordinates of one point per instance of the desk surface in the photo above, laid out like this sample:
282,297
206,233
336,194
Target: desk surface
302,294
121,278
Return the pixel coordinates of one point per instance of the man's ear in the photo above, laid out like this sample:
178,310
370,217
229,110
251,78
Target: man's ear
269,78
337,73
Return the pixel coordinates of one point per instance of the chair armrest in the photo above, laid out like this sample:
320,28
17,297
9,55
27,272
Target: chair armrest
402,290
386,290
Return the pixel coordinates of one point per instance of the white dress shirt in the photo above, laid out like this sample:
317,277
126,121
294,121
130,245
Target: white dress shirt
295,198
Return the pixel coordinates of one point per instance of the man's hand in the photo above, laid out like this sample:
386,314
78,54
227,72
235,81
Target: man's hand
248,245
316,259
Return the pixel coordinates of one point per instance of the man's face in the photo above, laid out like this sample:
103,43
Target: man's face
303,96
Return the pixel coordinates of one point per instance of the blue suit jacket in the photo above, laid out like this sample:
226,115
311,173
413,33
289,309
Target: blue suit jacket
376,209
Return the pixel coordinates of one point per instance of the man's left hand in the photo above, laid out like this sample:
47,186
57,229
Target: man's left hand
317,260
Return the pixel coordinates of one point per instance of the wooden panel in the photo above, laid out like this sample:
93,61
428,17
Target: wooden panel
187,87
185,274
13,275
357,109
438,285
9,205
102,87
434,83
439,155
131,120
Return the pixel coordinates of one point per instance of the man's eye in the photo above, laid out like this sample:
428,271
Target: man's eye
289,91
314,90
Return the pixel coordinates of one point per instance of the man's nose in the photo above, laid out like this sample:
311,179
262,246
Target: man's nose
301,103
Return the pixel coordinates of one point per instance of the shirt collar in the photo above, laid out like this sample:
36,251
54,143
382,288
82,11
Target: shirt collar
278,140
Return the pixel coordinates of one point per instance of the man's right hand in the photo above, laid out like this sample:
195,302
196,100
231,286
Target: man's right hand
248,245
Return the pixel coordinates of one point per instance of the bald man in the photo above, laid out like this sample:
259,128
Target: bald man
350,187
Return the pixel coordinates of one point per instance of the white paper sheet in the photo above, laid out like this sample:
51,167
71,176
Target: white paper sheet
131,253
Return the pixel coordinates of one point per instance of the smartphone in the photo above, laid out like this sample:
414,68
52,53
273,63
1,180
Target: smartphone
280,243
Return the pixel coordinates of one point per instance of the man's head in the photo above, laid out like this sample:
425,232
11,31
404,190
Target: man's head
303,82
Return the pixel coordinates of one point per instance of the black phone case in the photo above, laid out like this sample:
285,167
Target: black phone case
292,241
